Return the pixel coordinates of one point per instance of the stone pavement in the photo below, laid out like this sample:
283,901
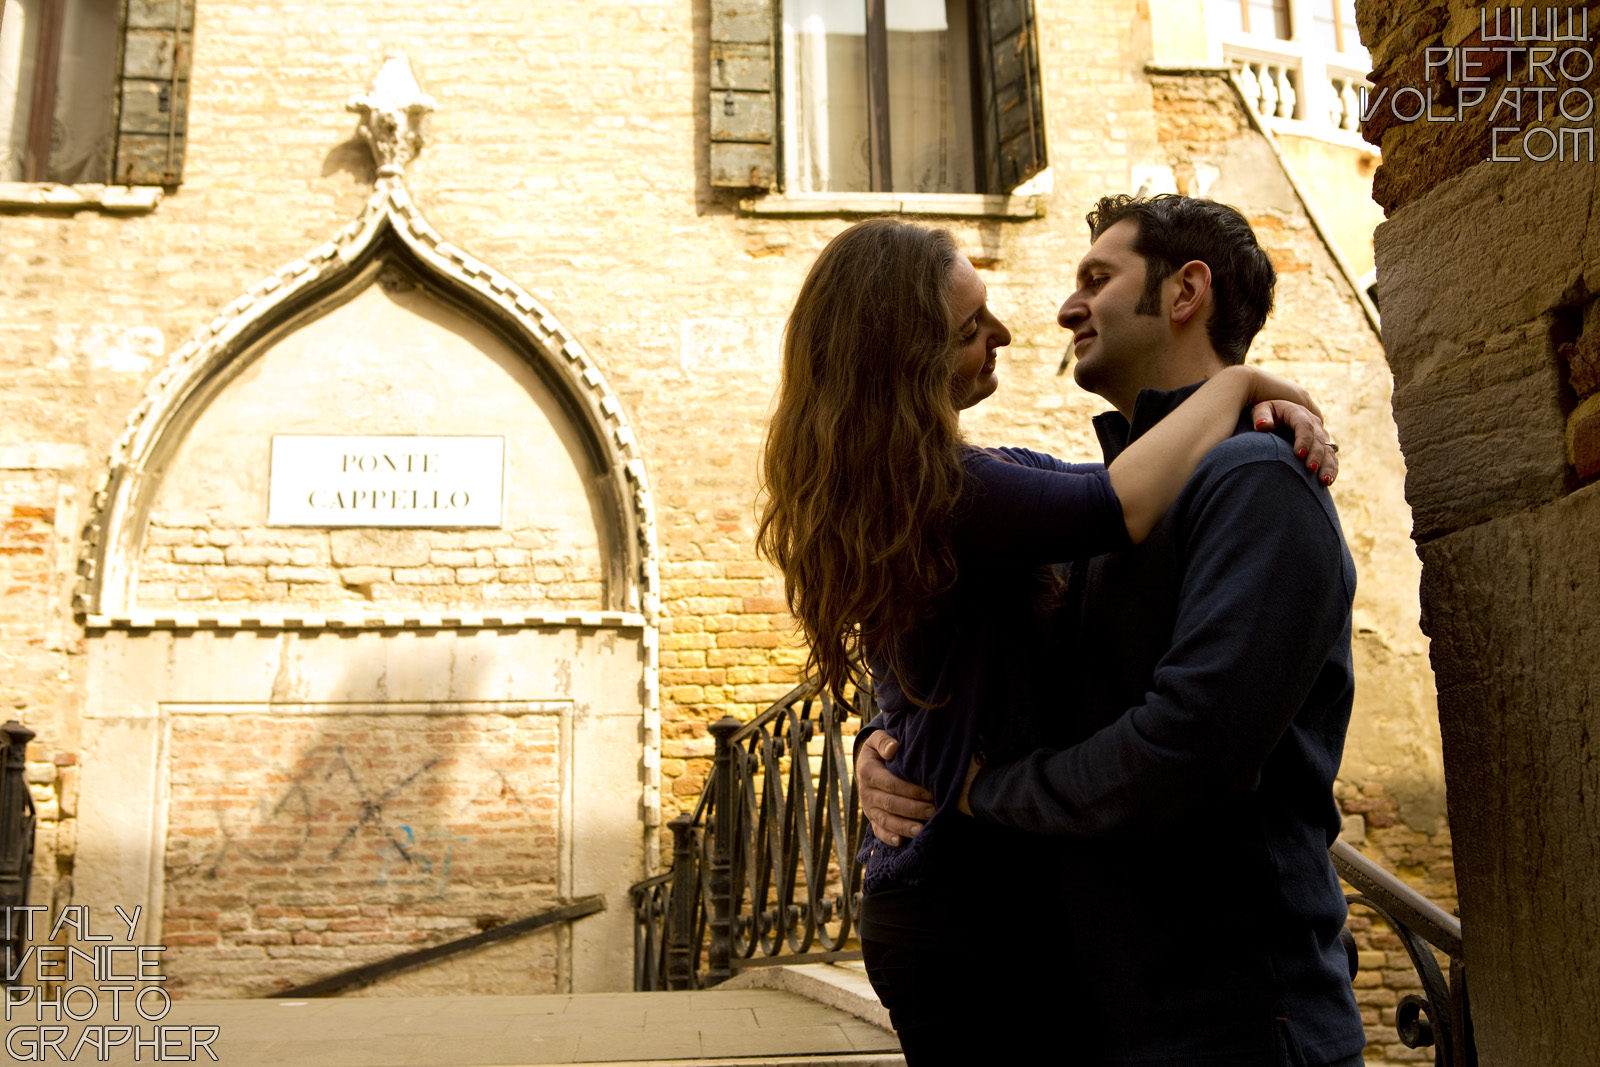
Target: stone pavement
730,1027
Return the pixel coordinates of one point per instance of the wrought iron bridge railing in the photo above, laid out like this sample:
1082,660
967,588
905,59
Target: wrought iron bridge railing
764,872
1439,1017
17,821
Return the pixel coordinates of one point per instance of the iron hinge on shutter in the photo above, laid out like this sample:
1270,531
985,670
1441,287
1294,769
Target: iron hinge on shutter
152,124
744,127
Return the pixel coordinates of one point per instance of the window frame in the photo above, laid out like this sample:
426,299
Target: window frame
1340,26
154,49
1281,9
747,138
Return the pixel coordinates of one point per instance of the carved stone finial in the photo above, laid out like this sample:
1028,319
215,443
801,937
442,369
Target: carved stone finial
391,116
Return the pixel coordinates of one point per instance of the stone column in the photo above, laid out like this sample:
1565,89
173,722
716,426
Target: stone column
1487,270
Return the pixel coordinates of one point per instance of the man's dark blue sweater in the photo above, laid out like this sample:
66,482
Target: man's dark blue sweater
1209,697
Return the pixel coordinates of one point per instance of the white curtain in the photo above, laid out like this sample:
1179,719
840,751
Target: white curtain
825,98
930,98
80,143
19,32
86,85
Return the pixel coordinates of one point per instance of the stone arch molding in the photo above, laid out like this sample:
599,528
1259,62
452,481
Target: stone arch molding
388,224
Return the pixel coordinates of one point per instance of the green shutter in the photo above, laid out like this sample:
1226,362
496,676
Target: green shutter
152,124
1010,97
744,123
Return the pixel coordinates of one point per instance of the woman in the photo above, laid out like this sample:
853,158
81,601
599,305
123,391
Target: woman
926,557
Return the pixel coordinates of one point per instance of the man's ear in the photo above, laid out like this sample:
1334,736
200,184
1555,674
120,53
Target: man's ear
1193,285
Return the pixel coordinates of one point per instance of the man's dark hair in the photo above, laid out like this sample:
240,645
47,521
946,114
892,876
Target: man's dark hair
1176,229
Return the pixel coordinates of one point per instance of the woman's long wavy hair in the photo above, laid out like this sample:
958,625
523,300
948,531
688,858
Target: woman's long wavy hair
862,469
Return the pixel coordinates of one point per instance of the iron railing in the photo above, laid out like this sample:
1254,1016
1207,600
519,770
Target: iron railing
764,871
17,821
1439,1018
366,974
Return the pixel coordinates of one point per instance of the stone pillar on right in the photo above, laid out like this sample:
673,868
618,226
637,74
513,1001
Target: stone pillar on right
1488,268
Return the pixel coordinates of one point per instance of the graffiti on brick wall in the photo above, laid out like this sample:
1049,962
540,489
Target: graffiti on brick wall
322,841
289,832
416,862
399,814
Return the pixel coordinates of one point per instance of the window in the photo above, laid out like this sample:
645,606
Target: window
875,96
1336,25
1328,24
88,98
883,104
1264,18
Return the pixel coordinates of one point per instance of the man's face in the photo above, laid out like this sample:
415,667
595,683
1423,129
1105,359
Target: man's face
1118,344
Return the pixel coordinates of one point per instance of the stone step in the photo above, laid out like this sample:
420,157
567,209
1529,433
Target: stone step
725,1027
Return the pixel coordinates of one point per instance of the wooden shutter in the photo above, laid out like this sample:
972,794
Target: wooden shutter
1010,98
152,124
744,125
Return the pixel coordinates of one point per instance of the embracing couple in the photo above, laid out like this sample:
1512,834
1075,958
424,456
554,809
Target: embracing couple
1113,696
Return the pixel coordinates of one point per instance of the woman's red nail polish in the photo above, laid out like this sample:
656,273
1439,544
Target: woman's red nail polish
1261,424
1301,453
1327,479
1312,466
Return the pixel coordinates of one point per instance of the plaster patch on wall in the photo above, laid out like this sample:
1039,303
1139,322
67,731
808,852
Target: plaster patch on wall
712,345
118,349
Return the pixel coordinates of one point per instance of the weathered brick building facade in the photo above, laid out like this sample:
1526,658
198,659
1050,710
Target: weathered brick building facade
325,745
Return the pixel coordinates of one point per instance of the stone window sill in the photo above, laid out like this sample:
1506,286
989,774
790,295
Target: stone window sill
945,205
48,196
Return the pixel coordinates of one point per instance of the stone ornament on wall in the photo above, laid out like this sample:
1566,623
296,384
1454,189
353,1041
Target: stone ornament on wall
391,116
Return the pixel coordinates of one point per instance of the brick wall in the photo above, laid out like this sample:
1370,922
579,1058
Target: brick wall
217,567
36,646
1423,861
302,846
27,555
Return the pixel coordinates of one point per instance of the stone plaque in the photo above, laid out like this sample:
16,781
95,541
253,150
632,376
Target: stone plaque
385,481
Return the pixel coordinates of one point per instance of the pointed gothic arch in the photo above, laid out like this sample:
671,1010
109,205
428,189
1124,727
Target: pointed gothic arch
388,226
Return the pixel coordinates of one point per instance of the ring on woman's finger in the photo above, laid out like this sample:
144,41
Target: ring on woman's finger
1333,446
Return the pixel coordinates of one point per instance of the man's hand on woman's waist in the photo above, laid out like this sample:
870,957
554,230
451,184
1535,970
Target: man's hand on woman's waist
895,808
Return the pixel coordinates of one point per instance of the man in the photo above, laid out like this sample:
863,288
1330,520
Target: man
1206,696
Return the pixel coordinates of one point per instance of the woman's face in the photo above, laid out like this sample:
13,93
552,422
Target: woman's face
977,334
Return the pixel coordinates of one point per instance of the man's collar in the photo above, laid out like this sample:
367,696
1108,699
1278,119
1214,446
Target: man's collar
1149,407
